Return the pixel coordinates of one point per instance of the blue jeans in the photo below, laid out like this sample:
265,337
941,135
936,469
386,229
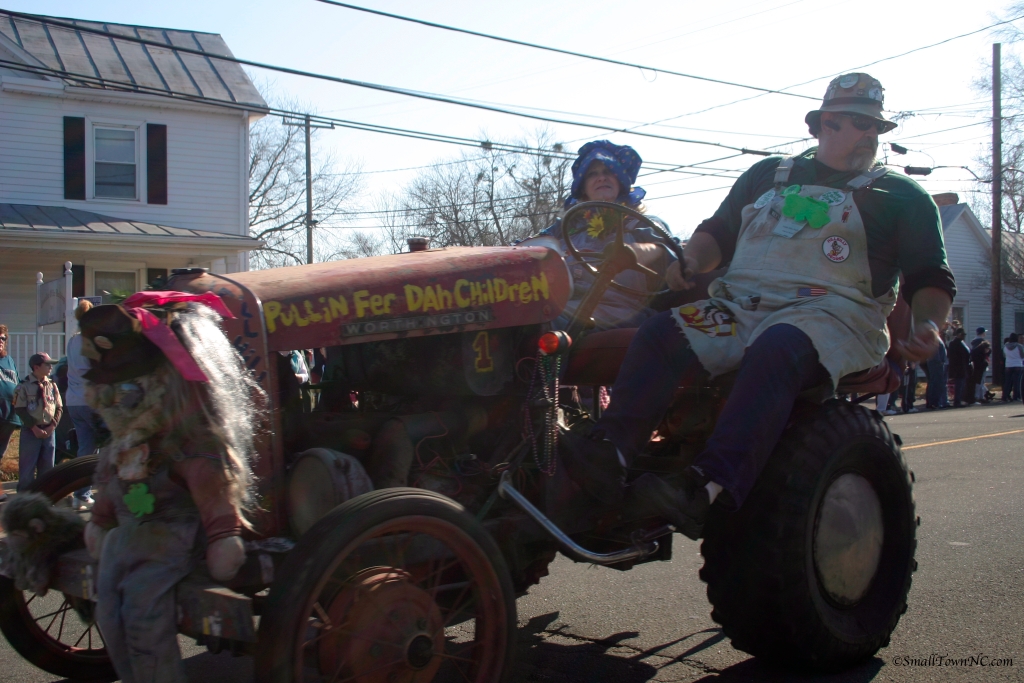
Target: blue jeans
85,421
1011,384
780,364
959,383
35,457
936,387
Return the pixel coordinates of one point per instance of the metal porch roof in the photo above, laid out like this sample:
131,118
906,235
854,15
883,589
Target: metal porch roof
56,220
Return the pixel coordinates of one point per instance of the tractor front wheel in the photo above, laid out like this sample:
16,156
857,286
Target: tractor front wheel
395,586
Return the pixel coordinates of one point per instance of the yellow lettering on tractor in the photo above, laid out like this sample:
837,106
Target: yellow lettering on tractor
272,311
339,307
482,346
413,297
540,286
461,299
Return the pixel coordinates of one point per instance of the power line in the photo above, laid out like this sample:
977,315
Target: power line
342,123
433,97
852,69
571,53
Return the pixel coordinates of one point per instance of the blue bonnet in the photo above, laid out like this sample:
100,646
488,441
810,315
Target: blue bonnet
622,160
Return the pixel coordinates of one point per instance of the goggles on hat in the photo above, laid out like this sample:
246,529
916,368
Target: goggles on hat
863,123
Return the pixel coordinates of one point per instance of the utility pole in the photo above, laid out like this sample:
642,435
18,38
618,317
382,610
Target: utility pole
307,125
309,196
997,216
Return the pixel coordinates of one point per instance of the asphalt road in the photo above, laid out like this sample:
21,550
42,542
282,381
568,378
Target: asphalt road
585,624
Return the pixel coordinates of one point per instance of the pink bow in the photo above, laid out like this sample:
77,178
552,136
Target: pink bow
161,334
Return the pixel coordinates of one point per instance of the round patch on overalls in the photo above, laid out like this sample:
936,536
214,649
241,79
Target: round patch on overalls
763,200
836,249
792,189
833,197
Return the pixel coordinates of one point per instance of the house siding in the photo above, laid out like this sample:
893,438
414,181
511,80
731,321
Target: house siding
204,178
969,260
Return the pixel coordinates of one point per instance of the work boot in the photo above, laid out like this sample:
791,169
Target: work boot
593,465
685,506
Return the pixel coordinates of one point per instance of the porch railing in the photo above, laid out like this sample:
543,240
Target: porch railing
22,345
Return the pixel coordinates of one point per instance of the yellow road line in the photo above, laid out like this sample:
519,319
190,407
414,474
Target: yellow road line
969,438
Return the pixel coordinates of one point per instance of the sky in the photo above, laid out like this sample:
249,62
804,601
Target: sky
766,43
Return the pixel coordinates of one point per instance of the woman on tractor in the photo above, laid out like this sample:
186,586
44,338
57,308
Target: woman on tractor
605,172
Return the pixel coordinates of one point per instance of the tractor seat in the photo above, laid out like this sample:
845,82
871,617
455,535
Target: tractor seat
595,361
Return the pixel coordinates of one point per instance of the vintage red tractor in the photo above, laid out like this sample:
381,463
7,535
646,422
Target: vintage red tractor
445,384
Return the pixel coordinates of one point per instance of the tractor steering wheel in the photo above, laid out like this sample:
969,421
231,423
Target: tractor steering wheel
619,243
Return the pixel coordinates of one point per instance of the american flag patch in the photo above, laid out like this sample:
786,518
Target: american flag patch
811,291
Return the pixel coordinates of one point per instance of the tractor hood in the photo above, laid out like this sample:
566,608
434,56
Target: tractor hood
386,297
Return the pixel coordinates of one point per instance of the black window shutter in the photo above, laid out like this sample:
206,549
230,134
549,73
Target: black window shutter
156,163
77,280
74,157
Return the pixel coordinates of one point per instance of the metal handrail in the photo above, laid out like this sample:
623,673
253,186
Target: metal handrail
569,547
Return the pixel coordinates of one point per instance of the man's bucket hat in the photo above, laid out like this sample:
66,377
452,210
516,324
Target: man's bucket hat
856,93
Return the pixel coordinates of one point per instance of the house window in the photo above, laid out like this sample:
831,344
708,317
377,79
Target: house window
1018,322
114,285
958,314
116,167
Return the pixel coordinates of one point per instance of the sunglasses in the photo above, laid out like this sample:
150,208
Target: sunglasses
3,337
865,123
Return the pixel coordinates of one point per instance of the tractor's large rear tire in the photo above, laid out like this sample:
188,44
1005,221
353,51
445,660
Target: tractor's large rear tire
813,571
398,585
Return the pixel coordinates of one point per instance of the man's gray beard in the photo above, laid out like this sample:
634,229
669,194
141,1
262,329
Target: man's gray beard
861,159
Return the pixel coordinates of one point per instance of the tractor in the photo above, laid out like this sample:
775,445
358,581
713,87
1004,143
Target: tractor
445,384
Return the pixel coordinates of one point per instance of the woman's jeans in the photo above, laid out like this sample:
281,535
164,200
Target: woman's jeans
35,457
1011,384
86,422
780,364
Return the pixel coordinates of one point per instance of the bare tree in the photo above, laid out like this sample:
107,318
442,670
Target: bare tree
487,198
277,194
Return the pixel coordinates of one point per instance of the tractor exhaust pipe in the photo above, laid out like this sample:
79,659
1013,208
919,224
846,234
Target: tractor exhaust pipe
644,546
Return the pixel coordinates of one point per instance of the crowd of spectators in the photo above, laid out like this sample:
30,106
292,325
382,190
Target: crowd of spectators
956,374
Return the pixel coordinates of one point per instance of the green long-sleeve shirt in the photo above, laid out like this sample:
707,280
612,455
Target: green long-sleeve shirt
901,222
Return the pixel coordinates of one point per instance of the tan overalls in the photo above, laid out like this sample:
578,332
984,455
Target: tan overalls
786,270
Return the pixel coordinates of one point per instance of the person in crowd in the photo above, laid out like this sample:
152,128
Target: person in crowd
606,172
1013,352
979,336
816,244
980,355
910,388
87,422
959,365
9,420
37,402
936,373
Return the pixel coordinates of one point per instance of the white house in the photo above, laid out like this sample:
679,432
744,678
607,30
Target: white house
969,250
115,156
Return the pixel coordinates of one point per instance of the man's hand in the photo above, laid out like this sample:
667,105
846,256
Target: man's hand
680,277
930,306
923,344
39,433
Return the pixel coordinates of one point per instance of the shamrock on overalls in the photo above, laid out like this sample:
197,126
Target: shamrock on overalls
139,500
808,209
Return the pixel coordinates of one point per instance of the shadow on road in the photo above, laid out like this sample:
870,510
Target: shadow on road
561,657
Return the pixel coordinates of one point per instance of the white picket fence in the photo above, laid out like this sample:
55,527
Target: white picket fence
22,345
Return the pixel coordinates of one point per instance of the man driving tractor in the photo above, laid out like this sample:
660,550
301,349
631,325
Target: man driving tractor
816,244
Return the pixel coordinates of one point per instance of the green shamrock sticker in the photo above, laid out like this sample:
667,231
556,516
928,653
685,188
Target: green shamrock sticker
139,500
806,209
